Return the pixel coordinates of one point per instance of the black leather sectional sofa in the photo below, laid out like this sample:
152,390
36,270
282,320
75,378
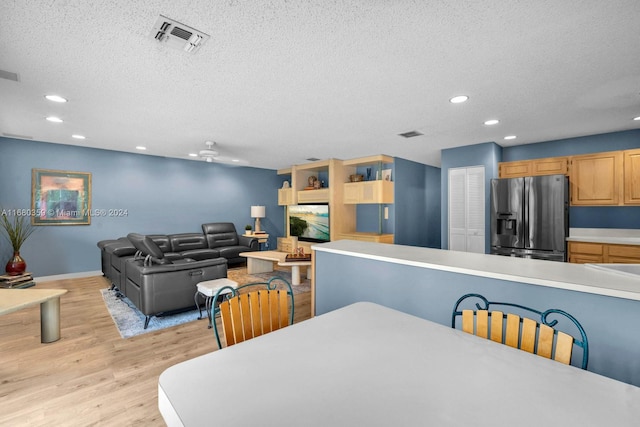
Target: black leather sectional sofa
159,272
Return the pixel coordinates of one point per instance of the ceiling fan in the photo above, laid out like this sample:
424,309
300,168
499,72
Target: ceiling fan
211,154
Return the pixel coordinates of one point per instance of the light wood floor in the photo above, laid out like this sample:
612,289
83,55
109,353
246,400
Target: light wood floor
91,376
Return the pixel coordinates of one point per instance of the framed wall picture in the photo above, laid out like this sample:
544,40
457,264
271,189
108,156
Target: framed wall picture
60,197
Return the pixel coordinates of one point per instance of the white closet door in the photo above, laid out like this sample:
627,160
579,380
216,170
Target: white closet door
457,210
466,209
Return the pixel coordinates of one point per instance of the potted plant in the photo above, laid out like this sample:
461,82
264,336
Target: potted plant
247,229
16,230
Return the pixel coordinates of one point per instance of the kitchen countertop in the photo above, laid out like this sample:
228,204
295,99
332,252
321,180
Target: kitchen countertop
605,235
575,277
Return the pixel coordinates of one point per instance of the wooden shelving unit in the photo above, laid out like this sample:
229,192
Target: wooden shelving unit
341,195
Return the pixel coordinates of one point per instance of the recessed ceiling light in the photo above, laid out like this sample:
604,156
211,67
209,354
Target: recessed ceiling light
458,99
76,136
55,98
54,119
636,118
492,122
140,147
510,137
193,155
235,160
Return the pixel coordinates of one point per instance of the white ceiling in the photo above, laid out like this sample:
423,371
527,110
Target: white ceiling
281,81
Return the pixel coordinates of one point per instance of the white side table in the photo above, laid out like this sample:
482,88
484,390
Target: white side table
208,289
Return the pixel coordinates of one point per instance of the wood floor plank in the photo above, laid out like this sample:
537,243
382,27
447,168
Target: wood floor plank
91,376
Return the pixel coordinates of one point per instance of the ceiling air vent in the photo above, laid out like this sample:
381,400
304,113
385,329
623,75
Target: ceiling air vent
411,134
177,35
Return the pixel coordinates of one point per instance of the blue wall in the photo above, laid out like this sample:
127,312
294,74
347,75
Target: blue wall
160,195
581,216
610,323
417,200
573,146
488,155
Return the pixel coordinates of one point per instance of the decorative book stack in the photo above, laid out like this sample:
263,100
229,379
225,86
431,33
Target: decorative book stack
20,281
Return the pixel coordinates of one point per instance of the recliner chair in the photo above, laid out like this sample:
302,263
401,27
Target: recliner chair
158,285
224,237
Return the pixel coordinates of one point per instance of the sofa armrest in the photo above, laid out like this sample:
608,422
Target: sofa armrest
250,242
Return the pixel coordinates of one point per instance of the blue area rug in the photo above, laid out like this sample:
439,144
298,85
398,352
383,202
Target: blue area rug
130,322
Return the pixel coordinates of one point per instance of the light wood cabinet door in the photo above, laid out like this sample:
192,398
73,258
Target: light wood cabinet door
285,196
368,192
623,254
550,166
515,169
585,252
632,177
596,179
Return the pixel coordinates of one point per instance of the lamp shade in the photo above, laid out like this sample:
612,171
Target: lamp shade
257,212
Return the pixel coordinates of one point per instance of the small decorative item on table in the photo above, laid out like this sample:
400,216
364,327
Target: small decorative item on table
298,255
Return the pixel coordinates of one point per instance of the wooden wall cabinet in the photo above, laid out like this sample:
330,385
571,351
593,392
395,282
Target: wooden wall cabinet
596,179
632,177
535,167
367,237
514,169
341,195
598,253
368,192
550,166
285,196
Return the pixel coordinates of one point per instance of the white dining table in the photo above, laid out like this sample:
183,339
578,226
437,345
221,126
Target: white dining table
368,365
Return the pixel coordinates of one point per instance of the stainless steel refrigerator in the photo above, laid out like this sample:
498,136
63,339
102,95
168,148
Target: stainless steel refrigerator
530,217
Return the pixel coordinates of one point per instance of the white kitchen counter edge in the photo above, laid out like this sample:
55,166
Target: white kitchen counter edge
612,240
574,277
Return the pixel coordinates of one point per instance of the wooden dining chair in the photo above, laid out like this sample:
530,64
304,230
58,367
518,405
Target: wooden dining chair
526,334
253,309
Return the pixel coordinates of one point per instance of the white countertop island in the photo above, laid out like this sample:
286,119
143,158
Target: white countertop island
427,283
575,277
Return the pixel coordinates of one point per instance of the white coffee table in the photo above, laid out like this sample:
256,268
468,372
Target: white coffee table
262,262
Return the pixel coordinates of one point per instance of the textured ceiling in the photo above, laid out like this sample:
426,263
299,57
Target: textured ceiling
281,81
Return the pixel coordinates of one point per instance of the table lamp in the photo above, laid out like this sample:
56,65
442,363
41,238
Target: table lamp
257,212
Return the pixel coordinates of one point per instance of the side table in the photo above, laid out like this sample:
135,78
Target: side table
208,289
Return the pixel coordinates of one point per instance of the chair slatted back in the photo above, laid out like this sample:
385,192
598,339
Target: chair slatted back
251,314
521,332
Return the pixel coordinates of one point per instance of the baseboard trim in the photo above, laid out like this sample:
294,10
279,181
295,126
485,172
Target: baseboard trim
68,276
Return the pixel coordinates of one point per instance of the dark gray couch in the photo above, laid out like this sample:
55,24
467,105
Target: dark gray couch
159,272
159,285
219,239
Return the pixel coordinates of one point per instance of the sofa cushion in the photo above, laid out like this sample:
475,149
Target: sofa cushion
162,240
200,254
220,234
187,241
232,252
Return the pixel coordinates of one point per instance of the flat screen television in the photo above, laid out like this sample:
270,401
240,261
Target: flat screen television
309,223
